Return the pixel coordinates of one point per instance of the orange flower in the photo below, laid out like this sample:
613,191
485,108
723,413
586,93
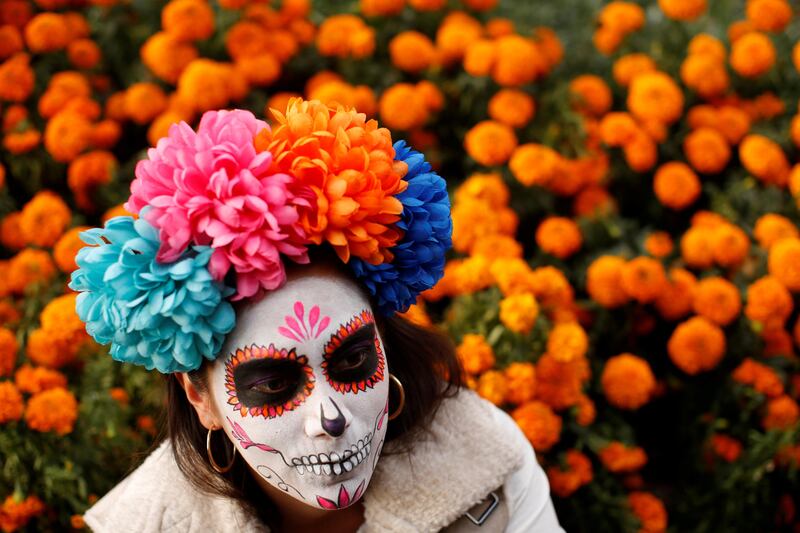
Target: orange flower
627,381
643,279
11,405
345,36
11,235
627,67
519,61
412,51
659,244
381,8
559,236
16,79
784,262
492,386
416,315
480,57
9,314
188,20
44,219
705,44
512,275
52,410
10,41
551,287
768,303
675,301
488,187
764,159
641,152
725,447
655,96
29,267
512,107
88,172
474,219
707,150
497,27
403,107
696,345
475,354
470,275
752,55
144,101
567,341
61,336
539,423
769,15
729,244
622,17
15,514
167,56
210,85
696,247
619,458
535,164
591,94
67,135
618,128
604,281
759,376
46,32
676,185
771,227
8,351
496,246
586,411
682,9
718,300
427,5
649,510
457,31
67,248
782,413
521,382
577,474
518,312
105,134
84,53
117,211
560,384
490,143
36,379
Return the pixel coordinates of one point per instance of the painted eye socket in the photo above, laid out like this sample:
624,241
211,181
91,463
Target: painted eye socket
266,381
353,359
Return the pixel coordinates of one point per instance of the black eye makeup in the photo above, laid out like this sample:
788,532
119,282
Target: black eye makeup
267,382
353,360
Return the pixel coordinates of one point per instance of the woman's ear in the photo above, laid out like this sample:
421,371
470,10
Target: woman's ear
200,400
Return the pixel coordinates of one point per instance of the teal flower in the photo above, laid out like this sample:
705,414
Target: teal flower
167,316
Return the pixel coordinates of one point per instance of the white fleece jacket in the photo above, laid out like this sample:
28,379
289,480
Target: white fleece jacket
472,449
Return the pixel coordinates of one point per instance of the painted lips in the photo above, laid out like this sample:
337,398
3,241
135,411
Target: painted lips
334,463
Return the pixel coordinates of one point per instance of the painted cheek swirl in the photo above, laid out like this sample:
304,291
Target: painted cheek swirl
261,352
336,340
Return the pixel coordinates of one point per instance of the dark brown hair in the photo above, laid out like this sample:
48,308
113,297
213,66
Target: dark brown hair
422,358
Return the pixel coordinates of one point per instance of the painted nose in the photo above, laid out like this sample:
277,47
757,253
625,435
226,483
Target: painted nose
333,426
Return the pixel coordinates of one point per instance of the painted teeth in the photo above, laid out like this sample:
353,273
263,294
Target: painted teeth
337,468
335,457
334,463
348,465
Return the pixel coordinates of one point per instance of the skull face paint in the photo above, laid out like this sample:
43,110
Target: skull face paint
302,388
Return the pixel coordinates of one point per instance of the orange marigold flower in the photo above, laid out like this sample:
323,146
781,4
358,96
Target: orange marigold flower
471,275
490,143
696,247
52,410
61,336
707,150
649,510
412,51
676,185
46,32
675,301
641,152
345,36
703,43
604,281
105,134
512,107
782,413
659,244
682,9
492,386
67,135
643,279
656,96
416,315
457,31
188,20
119,395
475,354
144,101
717,299
356,206
521,382
784,262
764,159
559,236
725,447
15,514
618,128
622,17
44,219
769,303
578,473
11,404
8,351
696,345
619,458
627,67
518,312
752,55
211,85
474,219
10,41
403,107
381,8
167,56
427,5
549,45
487,187
497,27
67,248
9,313
496,246
705,74
539,423
759,376
551,287
35,379
586,411
16,79
88,172
567,341
592,95
560,384
480,57
11,235
535,164
117,211
627,381
512,275
769,15
84,53
733,123
771,228
519,61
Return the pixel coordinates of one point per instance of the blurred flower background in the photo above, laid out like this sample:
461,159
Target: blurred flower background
626,263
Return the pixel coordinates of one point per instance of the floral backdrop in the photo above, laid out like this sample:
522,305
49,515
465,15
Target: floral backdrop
626,263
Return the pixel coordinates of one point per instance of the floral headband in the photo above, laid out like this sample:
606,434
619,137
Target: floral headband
222,208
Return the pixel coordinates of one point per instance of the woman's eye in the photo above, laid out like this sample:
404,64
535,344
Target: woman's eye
351,361
274,385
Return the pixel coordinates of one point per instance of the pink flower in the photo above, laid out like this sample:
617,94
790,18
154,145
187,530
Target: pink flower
212,188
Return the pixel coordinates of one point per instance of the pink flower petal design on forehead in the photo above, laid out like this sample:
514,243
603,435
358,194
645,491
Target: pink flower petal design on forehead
301,329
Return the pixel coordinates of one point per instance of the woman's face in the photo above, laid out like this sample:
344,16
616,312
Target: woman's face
302,389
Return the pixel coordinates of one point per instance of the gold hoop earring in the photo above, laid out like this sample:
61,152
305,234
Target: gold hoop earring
214,464
402,393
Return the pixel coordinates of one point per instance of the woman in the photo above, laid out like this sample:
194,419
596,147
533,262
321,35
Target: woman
304,408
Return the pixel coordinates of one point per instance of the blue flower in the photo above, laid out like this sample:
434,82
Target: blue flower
163,316
419,256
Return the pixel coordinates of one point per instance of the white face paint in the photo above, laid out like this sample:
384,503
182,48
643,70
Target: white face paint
302,386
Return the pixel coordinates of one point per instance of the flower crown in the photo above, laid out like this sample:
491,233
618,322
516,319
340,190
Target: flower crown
223,207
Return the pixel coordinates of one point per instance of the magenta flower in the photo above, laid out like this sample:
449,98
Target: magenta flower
210,187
